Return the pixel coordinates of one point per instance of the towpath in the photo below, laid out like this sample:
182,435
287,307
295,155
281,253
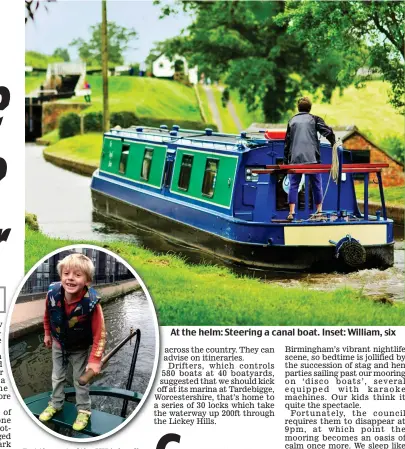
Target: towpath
232,111
28,316
214,108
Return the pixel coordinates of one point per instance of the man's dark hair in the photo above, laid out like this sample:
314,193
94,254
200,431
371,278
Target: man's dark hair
304,104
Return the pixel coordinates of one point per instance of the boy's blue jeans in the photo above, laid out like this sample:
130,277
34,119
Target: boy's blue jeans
78,360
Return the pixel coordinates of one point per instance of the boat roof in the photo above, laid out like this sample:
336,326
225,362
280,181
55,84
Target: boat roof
239,142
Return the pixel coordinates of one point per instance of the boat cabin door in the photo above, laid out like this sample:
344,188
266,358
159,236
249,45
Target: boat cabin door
167,177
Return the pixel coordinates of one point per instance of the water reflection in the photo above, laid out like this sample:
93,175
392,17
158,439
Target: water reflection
31,362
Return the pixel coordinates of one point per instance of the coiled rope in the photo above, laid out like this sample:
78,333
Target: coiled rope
334,170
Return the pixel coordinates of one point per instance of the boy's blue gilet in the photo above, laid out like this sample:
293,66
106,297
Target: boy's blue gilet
71,331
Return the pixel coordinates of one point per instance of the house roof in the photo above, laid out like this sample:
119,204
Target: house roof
341,132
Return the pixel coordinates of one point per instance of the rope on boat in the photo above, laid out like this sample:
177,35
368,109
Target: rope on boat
334,171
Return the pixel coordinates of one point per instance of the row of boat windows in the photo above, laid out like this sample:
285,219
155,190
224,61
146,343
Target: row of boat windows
210,173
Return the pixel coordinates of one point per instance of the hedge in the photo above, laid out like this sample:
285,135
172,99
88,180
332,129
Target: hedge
69,124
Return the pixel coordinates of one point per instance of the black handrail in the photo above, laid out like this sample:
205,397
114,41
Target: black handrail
131,372
89,374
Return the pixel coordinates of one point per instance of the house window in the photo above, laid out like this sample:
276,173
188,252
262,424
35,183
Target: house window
124,158
185,172
210,177
146,164
360,157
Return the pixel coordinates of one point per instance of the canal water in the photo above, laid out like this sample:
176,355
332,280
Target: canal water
62,202
31,361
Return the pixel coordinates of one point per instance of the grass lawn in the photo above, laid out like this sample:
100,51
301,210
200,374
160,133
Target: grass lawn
84,148
247,118
148,97
394,196
32,82
204,102
39,60
367,108
51,137
209,295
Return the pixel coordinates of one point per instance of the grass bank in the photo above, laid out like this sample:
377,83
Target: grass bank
394,196
82,149
146,97
209,295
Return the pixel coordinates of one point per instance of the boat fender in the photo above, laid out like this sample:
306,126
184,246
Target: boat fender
351,251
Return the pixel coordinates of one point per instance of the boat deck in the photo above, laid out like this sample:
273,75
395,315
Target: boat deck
100,422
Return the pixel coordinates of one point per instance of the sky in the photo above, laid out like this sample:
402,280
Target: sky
67,20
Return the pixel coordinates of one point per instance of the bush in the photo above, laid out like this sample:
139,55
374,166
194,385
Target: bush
124,119
395,147
93,121
31,221
69,125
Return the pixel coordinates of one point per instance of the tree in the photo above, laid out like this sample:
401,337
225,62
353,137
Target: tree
241,42
118,41
368,33
31,7
62,53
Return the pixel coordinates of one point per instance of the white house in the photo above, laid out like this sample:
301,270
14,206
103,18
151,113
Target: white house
162,67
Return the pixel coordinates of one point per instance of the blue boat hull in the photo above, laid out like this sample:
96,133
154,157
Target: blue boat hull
253,244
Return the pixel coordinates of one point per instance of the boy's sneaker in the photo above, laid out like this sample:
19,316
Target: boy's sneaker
82,420
48,413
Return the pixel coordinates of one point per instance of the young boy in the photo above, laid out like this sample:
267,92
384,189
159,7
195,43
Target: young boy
73,322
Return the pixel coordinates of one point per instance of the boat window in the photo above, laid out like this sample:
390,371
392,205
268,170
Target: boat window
185,172
146,164
124,158
210,177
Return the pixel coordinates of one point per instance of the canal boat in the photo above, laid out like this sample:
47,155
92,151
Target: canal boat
100,422
227,194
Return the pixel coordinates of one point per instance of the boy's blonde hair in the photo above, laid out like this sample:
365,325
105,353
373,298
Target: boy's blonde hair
77,261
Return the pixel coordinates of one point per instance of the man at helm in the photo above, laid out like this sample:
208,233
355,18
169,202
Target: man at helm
302,147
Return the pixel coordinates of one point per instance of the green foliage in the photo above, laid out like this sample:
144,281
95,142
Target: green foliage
69,125
124,119
395,146
62,53
93,121
119,38
40,60
209,295
368,34
31,6
31,221
33,81
258,58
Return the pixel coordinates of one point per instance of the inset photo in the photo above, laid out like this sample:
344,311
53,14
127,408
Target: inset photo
83,343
